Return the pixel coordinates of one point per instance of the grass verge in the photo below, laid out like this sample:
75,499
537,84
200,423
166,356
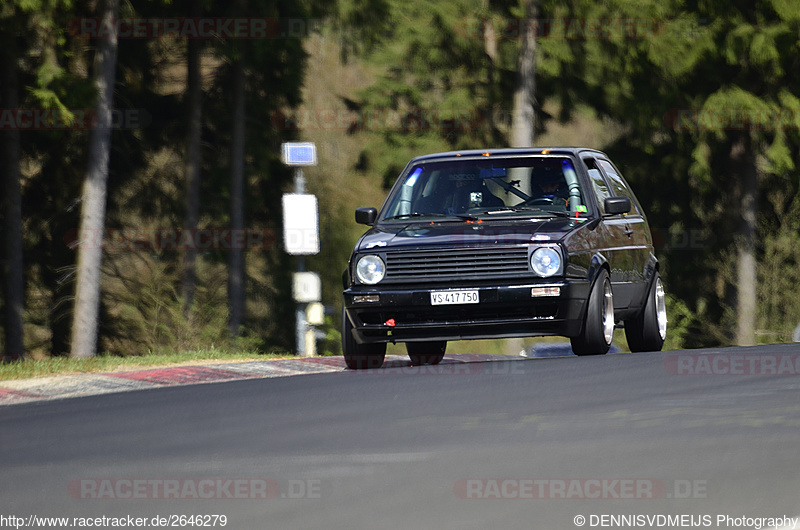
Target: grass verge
38,367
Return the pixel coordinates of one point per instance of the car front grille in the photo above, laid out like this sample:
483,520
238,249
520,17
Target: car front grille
456,264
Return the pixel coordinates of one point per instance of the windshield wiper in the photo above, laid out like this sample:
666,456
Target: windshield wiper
463,216
514,209
413,214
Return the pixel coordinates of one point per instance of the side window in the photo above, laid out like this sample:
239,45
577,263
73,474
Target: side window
598,183
619,187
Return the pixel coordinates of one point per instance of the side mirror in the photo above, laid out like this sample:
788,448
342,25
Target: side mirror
617,205
366,216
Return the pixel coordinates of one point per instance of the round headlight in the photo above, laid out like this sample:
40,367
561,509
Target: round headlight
370,269
546,261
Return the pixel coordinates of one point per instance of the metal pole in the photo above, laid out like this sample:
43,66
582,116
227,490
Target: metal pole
300,311
300,317
299,181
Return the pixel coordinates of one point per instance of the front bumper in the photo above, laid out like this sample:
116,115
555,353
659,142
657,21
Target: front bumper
405,314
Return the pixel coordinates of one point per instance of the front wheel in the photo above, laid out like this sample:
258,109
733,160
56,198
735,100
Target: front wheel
648,331
360,356
598,326
426,352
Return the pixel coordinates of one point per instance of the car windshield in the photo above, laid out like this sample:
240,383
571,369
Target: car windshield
545,186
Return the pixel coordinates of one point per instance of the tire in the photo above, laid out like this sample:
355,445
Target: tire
426,352
598,326
648,331
360,356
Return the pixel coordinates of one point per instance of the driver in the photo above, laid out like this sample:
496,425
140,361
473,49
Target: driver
550,187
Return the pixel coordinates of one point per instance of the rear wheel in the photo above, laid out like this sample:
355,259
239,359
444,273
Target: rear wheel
598,326
648,331
360,356
426,352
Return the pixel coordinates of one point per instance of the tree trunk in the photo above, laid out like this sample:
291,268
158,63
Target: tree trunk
194,95
85,322
744,163
523,120
236,257
13,285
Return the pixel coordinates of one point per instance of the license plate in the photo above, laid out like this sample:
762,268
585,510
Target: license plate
454,297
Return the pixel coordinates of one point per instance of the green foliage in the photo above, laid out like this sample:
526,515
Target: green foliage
430,78
709,64
144,311
679,320
360,24
718,76
142,303
779,285
779,266
438,91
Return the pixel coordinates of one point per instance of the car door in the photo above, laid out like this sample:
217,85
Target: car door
639,240
618,247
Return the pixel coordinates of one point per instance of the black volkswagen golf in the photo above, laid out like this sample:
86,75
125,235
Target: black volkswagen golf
503,243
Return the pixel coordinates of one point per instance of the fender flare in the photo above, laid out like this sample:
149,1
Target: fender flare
598,263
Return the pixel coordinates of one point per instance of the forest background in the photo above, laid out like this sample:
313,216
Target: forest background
142,181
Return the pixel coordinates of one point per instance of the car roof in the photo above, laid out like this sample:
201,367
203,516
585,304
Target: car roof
508,152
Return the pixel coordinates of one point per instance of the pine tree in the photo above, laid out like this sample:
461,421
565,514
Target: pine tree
694,93
12,270
93,210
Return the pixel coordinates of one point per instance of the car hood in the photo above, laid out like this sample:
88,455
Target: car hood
467,233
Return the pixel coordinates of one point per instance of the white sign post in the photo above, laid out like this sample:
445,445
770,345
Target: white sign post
300,224
306,287
301,238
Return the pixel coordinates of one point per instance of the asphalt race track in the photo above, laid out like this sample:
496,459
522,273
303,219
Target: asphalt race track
507,444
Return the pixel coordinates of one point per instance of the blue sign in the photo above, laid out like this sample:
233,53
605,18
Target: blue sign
299,154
